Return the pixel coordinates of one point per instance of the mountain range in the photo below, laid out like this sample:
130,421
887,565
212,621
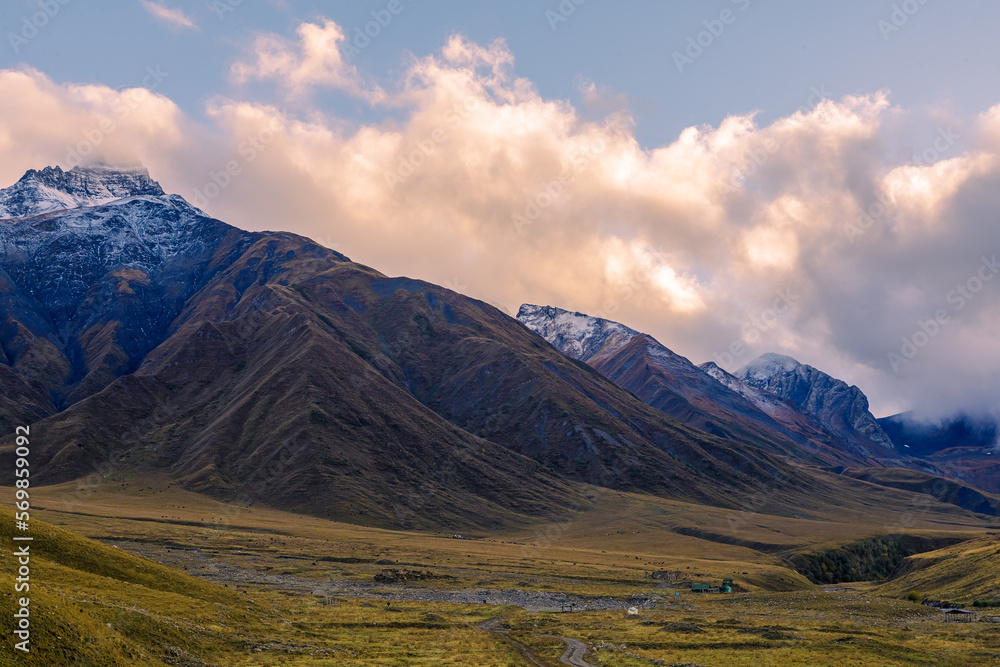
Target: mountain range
797,409
140,334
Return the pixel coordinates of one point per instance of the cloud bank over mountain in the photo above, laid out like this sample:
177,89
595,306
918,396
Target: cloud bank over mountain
855,235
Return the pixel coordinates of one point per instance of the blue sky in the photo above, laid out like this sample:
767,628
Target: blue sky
676,166
766,59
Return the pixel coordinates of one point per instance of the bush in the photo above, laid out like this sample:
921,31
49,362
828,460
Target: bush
986,603
914,596
866,560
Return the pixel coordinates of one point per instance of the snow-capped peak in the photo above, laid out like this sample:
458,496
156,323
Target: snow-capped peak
767,366
90,221
52,189
575,334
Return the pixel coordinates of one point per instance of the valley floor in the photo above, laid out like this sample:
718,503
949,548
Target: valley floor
312,598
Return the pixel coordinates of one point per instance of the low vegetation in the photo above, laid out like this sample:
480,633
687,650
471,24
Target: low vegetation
154,575
861,561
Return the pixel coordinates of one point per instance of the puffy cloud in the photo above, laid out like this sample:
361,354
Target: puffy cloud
804,236
314,60
46,124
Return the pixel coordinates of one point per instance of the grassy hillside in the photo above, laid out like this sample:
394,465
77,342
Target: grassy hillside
939,488
93,604
963,572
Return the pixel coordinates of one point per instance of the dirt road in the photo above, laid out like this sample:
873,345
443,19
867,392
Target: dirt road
574,654
494,626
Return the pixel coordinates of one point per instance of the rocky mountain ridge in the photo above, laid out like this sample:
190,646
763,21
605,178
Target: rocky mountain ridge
838,407
52,189
707,397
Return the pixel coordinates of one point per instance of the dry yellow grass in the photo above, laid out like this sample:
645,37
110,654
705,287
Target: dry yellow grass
608,550
963,573
804,629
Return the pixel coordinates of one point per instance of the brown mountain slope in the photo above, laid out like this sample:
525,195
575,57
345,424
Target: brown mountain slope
940,488
267,402
313,383
669,382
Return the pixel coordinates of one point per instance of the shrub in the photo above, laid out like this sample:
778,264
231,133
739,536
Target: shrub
866,560
914,596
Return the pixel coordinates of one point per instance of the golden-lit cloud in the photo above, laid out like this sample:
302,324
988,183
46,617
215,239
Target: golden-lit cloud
921,191
465,175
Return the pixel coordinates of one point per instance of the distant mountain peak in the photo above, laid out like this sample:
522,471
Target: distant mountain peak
52,189
841,408
767,365
575,334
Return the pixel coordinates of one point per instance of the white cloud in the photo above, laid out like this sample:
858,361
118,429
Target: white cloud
314,60
174,17
692,241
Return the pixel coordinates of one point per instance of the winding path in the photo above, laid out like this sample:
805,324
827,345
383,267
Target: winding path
573,656
493,625
575,653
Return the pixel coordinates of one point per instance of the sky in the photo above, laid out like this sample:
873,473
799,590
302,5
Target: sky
733,177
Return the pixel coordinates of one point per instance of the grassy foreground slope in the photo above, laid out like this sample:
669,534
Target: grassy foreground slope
92,604
963,572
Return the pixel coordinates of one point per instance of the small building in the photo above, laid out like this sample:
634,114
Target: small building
959,616
701,587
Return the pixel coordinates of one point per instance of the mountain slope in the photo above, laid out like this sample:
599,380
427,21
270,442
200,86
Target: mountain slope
929,438
784,413
672,384
838,407
940,488
87,292
263,367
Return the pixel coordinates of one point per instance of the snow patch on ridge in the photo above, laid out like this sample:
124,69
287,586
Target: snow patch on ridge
574,334
52,189
767,403
767,366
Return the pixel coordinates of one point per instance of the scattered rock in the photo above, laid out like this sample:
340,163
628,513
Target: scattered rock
391,576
